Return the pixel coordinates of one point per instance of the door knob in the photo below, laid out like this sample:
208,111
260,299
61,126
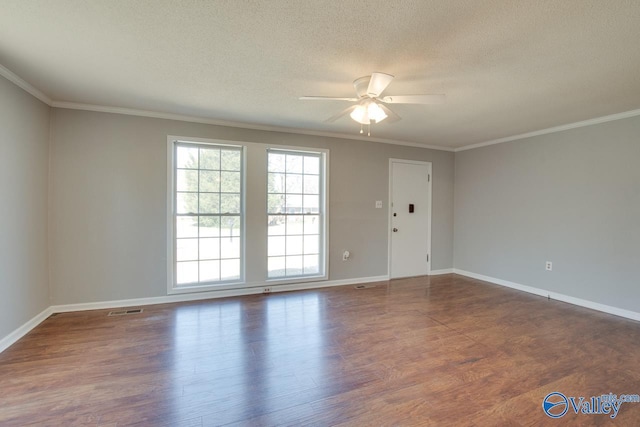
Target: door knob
395,230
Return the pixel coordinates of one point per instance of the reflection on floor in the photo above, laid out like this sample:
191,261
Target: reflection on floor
446,350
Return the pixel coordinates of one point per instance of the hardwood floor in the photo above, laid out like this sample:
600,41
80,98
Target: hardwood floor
437,351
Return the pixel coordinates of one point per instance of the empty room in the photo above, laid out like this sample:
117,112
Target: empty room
353,213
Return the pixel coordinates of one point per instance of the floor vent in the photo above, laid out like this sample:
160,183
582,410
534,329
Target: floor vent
364,286
125,312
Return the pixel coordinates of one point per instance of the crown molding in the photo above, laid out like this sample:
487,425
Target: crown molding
268,128
13,78
251,126
589,122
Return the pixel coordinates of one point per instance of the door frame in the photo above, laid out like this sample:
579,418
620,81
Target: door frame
390,210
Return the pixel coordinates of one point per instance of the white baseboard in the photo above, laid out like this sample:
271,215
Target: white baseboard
24,329
35,321
213,294
633,315
442,271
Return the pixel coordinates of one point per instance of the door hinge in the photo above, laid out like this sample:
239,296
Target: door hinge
427,257
429,178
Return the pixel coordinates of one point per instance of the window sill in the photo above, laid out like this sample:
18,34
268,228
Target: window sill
191,289
296,279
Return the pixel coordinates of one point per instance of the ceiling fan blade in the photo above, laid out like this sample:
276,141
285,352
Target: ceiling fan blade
391,116
415,99
378,83
344,112
326,98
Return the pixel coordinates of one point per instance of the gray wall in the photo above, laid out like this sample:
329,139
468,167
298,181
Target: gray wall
108,202
24,153
571,197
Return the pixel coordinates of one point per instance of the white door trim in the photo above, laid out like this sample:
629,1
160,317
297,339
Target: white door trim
390,209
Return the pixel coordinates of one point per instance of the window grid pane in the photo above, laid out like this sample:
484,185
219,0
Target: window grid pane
294,246
208,214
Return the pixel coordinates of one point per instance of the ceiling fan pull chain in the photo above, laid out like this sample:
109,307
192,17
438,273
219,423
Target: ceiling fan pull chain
369,129
361,131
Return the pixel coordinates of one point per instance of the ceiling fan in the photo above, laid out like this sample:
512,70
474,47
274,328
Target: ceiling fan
370,105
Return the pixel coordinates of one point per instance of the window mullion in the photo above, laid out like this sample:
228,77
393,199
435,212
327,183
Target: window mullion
198,224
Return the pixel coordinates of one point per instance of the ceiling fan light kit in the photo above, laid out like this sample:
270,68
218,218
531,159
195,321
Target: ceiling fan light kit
368,111
370,107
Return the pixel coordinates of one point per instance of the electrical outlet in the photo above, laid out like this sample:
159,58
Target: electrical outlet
345,255
548,266
266,290
378,204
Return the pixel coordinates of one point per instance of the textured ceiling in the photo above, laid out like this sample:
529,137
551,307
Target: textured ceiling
507,67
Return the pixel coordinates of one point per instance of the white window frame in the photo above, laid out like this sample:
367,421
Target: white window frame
172,286
324,207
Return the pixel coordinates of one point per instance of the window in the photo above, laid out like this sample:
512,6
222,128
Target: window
208,218
296,214
219,235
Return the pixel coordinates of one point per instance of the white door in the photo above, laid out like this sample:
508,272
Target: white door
410,210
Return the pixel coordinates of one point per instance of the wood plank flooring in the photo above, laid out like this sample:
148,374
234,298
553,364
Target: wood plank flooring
440,351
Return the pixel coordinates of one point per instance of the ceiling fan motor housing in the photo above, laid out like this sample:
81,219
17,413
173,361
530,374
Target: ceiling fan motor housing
362,84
